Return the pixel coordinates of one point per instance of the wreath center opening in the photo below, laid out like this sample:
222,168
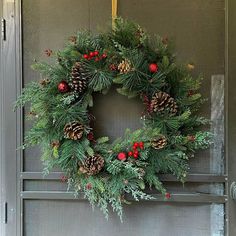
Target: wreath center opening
113,113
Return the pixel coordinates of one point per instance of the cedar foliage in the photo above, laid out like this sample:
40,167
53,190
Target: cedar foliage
54,110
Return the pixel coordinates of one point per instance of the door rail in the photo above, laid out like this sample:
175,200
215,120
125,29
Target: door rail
198,178
176,197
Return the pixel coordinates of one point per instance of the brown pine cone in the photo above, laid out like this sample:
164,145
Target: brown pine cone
159,143
92,165
55,144
163,102
78,80
44,82
74,130
124,67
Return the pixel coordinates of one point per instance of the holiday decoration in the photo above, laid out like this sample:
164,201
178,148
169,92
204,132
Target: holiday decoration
74,130
121,156
79,82
63,178
73,39
48,52
44,82
191,138
159,143
168,195
153,67
162,102
165,40
190,66
92,165
138,66
63,87
113,67
124,67
55,144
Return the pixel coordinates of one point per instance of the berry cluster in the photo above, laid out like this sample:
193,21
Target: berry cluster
95,55
122,156
135,152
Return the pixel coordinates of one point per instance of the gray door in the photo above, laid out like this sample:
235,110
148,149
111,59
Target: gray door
37,206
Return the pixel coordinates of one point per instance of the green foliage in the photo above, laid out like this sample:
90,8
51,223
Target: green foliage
51,110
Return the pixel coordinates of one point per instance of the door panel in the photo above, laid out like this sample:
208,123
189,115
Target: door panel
75,218
197,28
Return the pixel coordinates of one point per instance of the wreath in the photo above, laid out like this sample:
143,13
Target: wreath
141,66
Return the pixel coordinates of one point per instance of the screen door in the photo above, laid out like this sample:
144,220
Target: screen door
195,209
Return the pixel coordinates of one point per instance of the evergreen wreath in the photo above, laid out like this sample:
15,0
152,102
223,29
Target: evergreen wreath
142,66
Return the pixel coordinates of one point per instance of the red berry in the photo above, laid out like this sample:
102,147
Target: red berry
168,195
136,144
97,59
86,56
89,186
96,53
104,55
63,87
90,136
130,154
153,67
63,178
136,152
91,54
141,144
135,156
121,156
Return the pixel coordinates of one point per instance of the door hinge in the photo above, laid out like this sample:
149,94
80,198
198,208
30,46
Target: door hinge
3,29
5,213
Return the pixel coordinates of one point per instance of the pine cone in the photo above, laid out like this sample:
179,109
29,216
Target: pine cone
79,81
159,143
92,165
162,102
44,82
74,130
124,67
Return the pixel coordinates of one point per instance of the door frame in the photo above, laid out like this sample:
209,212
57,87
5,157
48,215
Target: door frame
10,162
10,121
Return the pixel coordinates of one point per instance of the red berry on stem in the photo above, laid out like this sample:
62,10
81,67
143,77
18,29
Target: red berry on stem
89,186
63,178
86,56
91,54
141,145
168,195
63,87
96,53
97,59
136,152
90,136
136,144
130,154
121,156
104,55
135,156
153,67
